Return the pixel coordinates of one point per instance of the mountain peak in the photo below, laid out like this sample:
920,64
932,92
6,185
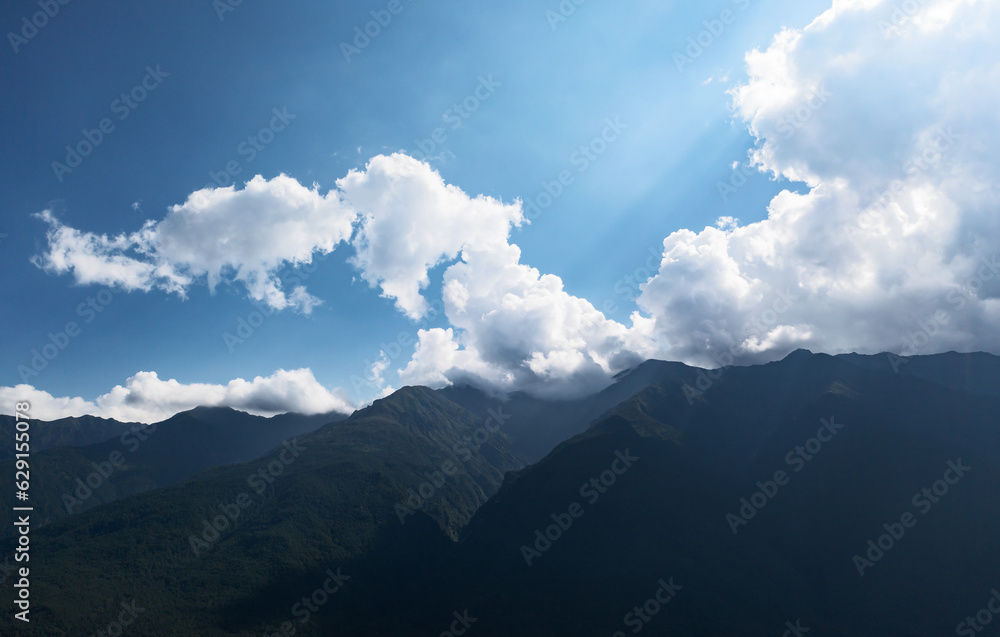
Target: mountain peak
799,354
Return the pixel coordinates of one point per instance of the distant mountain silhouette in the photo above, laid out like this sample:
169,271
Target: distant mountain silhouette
65,432
71,479
978,373
536,425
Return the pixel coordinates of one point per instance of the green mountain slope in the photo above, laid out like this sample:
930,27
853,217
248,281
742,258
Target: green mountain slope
68,480
332,500
791,558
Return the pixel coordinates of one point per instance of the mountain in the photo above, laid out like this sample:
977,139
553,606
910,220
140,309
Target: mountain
65,432
67,480
820,492
537,425
790,559
976,372
369,494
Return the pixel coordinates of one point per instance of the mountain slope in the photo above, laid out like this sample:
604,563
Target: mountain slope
667,515
333,500
68,480
754,503
537,425
65,432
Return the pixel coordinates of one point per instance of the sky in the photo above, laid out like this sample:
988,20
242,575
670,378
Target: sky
304,206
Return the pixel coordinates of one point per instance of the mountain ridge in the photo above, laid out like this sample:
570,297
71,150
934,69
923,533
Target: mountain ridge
735,492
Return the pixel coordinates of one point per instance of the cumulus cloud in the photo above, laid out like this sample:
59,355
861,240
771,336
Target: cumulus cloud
218,234
518,329
890,118
98,259
412,221
146,398
512,327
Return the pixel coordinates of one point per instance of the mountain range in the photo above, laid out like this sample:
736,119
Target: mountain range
844,495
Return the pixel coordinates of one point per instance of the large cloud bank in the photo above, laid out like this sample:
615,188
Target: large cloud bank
890,117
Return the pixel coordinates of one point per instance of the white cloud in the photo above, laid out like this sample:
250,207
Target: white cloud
513,327
98,259
146,398
378,368
412,220
44,405
218,234
517,329
895,245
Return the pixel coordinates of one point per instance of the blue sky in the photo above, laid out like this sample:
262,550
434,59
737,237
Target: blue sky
220,77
